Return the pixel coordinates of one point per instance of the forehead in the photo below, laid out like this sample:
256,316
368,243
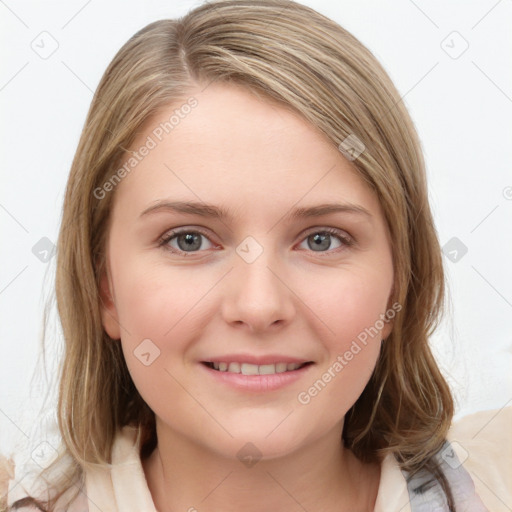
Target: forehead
235,147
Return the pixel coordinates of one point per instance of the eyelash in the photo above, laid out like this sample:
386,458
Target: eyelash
342,236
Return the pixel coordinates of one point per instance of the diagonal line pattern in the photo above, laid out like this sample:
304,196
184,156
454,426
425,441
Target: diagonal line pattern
77,76
494,416
493,287
280,423
490,490
14,218
424,14
95,95
13,13
24,433
485,15
14,76
492,81
217,486
13,279
488,215
76,14
286,491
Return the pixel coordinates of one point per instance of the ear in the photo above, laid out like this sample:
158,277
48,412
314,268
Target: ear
393,307
386,330
109,316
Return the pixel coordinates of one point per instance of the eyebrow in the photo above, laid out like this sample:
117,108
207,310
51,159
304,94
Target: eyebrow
215,212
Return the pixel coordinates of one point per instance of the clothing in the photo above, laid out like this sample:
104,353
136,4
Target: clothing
478,455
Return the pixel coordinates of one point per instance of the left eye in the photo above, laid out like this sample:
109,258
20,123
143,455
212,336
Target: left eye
321,241
192,241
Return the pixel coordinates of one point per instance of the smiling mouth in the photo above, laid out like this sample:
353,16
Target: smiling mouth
254,369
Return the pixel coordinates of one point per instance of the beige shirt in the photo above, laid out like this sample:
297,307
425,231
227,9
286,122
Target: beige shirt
480,465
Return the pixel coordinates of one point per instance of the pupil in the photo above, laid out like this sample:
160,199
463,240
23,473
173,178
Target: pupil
192,241
321,241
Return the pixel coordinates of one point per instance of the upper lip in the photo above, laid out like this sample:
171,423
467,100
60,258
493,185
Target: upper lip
258,360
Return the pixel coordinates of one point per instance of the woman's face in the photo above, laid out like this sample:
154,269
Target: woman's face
249,272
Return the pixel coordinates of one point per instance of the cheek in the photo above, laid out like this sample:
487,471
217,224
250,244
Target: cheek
158,309
351,304
162,312
154,301
351,309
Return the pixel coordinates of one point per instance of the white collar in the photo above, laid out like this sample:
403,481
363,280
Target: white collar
124,487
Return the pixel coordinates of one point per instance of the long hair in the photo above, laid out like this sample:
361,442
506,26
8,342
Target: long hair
289,54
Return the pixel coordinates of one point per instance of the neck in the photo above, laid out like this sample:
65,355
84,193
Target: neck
323,475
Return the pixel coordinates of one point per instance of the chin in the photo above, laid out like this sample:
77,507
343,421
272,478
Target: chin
267,437
255,447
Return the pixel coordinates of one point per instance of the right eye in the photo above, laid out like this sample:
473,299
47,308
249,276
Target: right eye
183,241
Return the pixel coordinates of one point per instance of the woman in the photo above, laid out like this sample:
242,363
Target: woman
247,276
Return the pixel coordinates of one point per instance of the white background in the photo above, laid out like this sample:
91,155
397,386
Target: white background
462,108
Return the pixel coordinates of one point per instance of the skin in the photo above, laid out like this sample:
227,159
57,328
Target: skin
259,161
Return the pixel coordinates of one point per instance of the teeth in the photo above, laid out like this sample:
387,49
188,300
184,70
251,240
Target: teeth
234,368
267,369
249,369
254,369
281,367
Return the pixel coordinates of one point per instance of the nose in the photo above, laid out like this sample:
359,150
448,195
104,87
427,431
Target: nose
257,295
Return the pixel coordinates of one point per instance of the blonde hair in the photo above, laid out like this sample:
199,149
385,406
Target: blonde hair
292,55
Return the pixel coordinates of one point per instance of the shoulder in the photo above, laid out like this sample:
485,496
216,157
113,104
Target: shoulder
483,446
476,460
6,474
13,491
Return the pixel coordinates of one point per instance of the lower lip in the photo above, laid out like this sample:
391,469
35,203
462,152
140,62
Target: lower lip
257,383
